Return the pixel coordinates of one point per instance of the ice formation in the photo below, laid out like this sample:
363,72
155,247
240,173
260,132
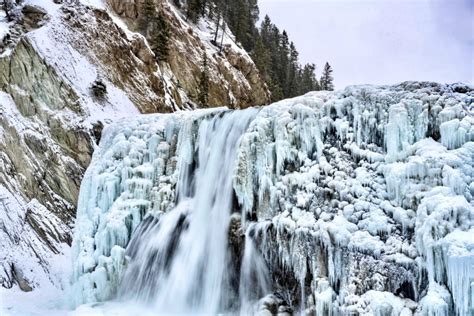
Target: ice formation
350,202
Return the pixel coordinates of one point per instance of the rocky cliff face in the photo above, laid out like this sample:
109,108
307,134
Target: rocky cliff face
234,79
68,68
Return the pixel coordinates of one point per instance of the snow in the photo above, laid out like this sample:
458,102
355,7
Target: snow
52,42
49,299
67,61
3,25
30,258
100,4
49,5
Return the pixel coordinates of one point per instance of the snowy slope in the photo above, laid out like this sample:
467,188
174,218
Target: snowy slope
357,201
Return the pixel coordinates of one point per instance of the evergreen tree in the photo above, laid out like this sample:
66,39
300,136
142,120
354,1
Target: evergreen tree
308,81
276,91
177,3
261,57
149,13
274,55
217,14
293,70
203,96
161,38
194,9
327,78
277,60
284,63
265,29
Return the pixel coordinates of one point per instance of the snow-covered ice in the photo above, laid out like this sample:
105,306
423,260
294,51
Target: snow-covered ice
359,201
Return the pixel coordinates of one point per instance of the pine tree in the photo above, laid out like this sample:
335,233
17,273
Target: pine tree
293,71
177,3
193,10
161,38
274,55
261,57
148,15
265,30
327,78
218,13
284,63
308,79
203,96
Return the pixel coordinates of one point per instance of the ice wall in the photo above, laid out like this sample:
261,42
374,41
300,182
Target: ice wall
358,201
133,173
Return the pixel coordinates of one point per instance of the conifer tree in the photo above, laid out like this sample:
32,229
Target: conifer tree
293,70
149,14
327,78
203,96
217,13
261,58
265,29
193,10
161,37
308,79
284,63
274,55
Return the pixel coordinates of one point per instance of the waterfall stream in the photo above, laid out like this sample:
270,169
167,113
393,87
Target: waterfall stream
180,261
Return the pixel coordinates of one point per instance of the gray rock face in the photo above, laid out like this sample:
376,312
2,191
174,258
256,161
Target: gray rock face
43,158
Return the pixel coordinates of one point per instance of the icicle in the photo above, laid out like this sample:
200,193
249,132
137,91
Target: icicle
396,136
459,254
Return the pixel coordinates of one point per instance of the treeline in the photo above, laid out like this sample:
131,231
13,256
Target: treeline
241,17
277,59
272,51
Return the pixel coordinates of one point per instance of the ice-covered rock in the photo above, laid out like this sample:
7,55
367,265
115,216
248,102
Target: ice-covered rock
357,201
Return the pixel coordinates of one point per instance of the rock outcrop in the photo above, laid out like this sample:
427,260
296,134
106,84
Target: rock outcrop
234,79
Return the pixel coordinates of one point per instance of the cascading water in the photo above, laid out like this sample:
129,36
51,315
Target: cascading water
180,261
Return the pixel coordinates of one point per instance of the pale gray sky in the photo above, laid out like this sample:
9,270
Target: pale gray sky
381,41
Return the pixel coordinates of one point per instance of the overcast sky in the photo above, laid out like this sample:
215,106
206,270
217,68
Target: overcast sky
381,41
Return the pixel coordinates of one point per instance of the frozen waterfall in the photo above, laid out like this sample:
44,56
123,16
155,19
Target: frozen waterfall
185,251
352,202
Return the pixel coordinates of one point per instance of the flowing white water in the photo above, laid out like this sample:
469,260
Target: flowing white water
180,261
254,282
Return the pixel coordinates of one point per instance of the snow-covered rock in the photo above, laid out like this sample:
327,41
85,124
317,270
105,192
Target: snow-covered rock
351,202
